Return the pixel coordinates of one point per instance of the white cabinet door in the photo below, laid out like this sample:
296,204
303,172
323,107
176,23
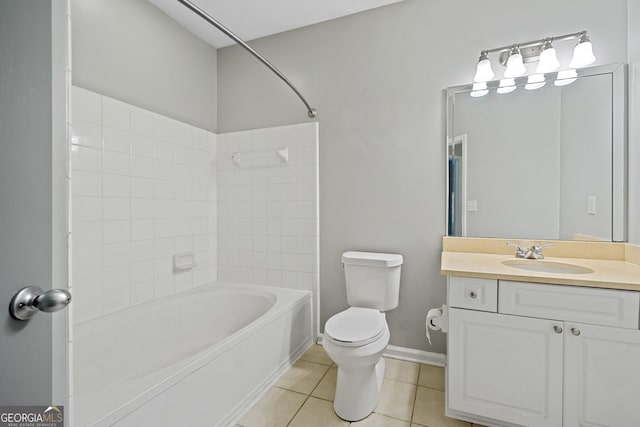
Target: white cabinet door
602,376
507,368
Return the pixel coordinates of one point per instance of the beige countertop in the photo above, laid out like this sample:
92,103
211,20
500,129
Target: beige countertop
607,273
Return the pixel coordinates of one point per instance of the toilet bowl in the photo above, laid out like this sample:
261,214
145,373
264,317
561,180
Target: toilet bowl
360,364
356,338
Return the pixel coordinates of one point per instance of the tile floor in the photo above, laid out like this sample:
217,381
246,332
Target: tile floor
412,395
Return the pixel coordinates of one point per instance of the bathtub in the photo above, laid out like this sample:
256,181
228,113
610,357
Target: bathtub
201,357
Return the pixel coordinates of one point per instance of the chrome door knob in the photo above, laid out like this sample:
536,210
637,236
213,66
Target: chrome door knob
28,300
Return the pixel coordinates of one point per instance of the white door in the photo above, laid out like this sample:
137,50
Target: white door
504,367
33,225
602,376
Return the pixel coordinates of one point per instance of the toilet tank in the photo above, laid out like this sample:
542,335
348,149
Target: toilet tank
372,279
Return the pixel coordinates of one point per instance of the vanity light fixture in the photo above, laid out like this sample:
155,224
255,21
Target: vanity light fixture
548,58
484,72
515,56
515,64
583,52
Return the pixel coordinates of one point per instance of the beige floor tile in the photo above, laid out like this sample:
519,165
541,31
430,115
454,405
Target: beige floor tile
326,388
317,413
302,377
317,354
431,376
429,410
401,370
396,399
478,425
377,420
276,408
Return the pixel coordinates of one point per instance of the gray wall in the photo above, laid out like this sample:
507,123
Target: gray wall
634,120
132,51
25,191
377,79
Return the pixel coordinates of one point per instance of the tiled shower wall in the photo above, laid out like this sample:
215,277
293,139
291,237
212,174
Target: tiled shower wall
268,208
142,189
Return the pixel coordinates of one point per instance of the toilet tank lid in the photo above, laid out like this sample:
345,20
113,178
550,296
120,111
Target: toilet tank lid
374,259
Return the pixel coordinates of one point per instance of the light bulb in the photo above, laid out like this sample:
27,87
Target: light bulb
506,86
582,53
515,65
479,89
484,72
535,81
566,77
548,59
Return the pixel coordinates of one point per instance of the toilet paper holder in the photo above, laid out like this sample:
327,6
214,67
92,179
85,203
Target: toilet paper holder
437,320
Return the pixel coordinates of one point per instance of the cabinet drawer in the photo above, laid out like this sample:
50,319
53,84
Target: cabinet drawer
607,307
474,294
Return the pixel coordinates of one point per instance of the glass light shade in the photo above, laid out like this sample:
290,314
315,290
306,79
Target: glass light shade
484,72
566,77
515,66
548,61
534,82
582,55
479,89
506,86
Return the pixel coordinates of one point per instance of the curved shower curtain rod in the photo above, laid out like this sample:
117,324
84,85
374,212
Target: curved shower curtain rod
311,112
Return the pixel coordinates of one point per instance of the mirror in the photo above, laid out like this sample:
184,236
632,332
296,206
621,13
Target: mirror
546,163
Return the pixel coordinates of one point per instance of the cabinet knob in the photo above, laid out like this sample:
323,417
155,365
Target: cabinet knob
557,329
473,295
575,331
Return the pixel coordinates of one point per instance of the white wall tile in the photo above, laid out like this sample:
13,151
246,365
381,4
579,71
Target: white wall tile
116,163
141,145
115,231
141,122
86,134
87,159
116,185
87,232
116,254
115,114
116,140
87,106
86,184
163,128
141,167
115,299
142,189
86,207
116,208
142,292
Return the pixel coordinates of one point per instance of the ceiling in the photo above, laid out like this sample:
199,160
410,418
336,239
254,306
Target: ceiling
252,19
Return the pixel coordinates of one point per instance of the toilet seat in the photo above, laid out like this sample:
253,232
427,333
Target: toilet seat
355,326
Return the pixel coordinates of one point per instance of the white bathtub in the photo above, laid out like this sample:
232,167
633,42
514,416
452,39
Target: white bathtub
197,358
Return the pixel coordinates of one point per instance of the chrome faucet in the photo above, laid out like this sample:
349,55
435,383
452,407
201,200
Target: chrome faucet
533,252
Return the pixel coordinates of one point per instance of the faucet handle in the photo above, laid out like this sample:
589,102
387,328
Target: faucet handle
537,250
520,251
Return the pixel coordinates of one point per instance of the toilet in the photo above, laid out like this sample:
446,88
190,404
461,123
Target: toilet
356,337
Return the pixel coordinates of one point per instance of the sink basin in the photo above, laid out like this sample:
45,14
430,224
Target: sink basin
546,266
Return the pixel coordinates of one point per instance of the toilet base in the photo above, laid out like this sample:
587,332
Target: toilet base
358,391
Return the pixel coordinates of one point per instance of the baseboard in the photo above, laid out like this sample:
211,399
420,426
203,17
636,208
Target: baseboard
410,354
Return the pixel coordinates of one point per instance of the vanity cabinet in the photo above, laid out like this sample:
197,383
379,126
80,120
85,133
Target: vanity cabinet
551,355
